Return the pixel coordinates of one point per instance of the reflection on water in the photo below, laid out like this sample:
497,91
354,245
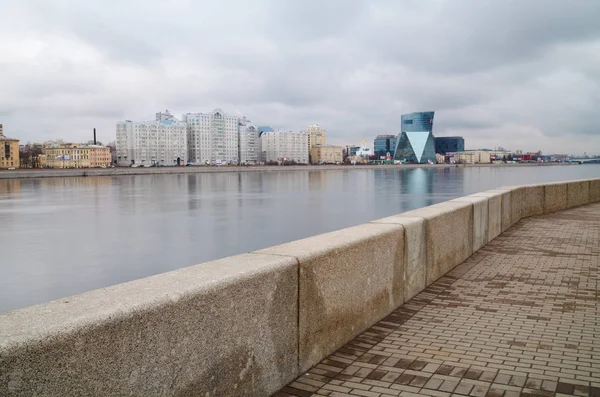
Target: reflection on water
62,236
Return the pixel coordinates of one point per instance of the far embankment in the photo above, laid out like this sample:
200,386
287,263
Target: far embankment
54,173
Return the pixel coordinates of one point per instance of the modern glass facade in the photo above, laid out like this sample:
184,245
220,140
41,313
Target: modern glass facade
415,143
384,144
449,144
351,151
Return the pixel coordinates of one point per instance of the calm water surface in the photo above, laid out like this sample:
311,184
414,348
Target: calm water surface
63,236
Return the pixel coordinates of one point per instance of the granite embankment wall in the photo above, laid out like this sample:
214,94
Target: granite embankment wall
82,172
247,325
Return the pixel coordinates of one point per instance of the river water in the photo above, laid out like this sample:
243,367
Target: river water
63,236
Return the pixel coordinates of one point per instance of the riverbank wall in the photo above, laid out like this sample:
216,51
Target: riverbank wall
249,324
85,172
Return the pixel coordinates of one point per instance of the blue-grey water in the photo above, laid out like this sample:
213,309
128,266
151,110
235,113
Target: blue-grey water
63,236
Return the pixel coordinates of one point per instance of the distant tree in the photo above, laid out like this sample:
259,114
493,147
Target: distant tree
29,155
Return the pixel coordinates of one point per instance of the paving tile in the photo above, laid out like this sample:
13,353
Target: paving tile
463,388
517,318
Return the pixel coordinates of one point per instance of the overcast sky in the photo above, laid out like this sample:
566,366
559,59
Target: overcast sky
522,74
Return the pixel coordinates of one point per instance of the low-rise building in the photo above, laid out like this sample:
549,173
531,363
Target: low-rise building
75,156
9,151
476,156
449,144
384,145
327,154
364,150
351,150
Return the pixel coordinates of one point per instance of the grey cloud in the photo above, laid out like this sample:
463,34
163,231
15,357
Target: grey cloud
500,72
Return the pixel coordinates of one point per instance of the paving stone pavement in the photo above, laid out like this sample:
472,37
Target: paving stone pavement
519,318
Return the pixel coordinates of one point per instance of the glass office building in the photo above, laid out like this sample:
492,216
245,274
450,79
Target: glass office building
449,144
384,144
415,142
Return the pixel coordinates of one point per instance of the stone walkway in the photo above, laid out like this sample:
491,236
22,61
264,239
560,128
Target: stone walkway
521,317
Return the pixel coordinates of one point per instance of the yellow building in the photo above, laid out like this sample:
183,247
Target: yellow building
9,151
100,156
76,156
316,136
327,154
477,156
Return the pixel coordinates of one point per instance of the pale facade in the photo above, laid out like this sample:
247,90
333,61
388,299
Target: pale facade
100,156
163,142
327,154
316,135
9,151
76,156
477,156
213,138
285,145
249,142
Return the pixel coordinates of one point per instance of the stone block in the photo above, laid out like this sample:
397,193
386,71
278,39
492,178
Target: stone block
515,203
510,207
495,211
578,193
594,190
480,219
415,258
348,280
222,328
532,200
555,197
449,230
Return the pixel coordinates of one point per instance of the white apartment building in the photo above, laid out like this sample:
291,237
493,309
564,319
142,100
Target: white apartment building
213,138
249,142
163,141
285,145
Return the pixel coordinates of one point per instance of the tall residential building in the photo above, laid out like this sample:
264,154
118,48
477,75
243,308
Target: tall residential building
384,144
212,137
249,142
285,145
449,144
9,151
316,135
163,142
415,142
